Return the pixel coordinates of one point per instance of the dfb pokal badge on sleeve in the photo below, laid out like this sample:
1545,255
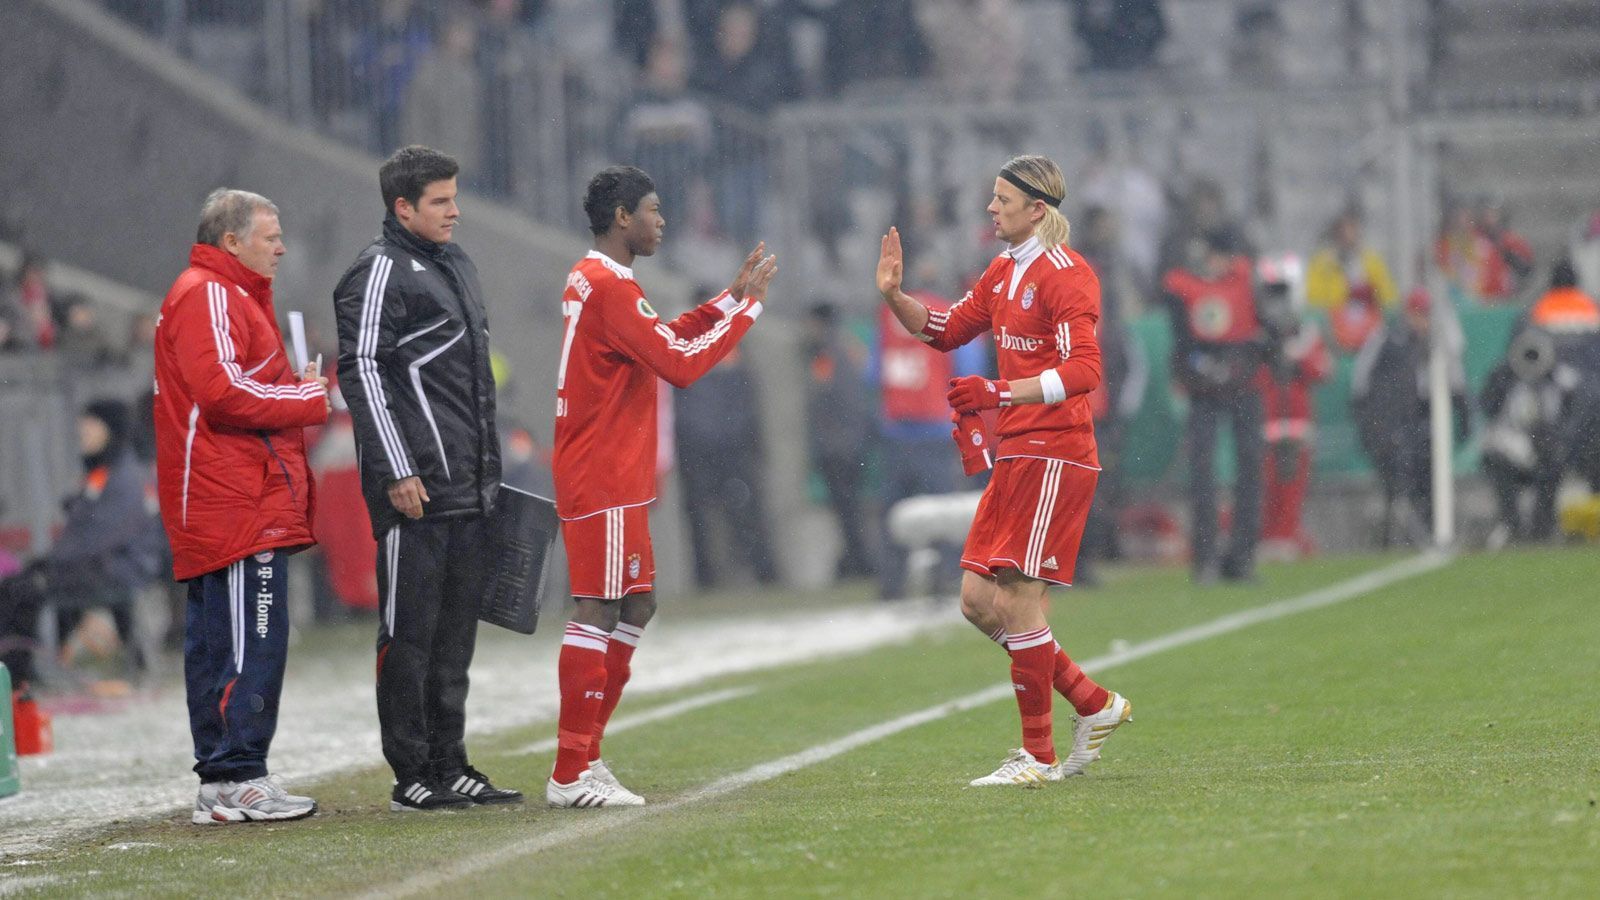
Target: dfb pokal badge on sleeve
1027,295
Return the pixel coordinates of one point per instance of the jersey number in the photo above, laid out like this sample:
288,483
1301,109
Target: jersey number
572,310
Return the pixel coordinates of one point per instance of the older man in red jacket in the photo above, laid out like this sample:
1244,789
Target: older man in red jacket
235,496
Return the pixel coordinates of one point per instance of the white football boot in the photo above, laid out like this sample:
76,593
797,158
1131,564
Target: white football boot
1020,769
602,774
586,793
1089,732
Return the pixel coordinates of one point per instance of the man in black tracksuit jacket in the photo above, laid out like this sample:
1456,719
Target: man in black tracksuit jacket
414,369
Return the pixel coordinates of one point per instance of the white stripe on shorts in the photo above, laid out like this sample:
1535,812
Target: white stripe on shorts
1048,490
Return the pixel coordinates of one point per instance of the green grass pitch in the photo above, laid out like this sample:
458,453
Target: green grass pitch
1437,737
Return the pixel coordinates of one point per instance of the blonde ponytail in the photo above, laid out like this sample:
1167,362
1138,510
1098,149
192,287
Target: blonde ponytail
1054,228
1042,179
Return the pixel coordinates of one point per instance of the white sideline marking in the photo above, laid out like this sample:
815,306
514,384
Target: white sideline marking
595,824
665,711
16,886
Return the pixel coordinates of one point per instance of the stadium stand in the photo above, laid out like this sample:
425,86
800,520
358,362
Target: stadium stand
1297,109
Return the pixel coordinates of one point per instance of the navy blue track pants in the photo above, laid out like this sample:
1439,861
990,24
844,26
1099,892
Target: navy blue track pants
236,641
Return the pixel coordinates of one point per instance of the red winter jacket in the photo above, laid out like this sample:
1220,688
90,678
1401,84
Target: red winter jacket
230,459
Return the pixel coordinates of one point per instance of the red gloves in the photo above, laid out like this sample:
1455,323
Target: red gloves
971,393
972,442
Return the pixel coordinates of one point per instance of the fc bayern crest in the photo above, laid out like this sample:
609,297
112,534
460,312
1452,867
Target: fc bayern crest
1027,295
633,565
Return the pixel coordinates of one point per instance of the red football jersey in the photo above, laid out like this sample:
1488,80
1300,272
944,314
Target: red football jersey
1043,304
614,349
1221,310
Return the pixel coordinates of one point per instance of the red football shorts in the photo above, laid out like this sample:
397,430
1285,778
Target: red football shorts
1031,518
609,554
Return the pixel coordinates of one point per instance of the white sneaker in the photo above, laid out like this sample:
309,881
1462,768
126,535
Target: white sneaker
1089,732
602,774
258,800
203,803
588,792
1020,768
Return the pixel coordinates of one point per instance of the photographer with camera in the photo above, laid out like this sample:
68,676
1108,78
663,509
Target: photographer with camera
1572,318
1524,399
1543,416
1219,347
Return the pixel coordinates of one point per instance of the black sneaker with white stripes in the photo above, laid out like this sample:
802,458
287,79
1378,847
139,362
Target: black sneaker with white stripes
423,796
475,786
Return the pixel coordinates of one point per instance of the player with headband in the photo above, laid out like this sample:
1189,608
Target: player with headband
1041,301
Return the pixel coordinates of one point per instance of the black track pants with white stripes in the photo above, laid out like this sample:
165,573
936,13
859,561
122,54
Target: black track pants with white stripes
432,574
236,641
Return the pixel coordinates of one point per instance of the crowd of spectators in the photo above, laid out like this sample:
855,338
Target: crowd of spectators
38,318
683,84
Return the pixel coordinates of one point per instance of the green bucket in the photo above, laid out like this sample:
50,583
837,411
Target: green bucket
10,775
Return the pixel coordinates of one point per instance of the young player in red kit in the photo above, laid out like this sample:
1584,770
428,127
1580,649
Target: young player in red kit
1042,301
614,349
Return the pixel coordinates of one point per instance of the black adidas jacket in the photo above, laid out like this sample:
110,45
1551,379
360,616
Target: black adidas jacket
414,370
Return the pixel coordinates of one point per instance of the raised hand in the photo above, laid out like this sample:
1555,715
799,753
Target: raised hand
891,264
741,281
760,278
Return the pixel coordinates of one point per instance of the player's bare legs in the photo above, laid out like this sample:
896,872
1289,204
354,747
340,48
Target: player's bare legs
1010,609
1019,601
635,610
977,604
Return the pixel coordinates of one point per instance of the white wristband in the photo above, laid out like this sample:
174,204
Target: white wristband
727,303
754,310
1050,384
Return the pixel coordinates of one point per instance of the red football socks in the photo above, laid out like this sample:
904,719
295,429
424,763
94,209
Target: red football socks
1033,662
1072,682
619,660
1080,690
581,672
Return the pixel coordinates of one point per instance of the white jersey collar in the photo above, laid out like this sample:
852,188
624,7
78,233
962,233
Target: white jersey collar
1023,254
1026,252
621,270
